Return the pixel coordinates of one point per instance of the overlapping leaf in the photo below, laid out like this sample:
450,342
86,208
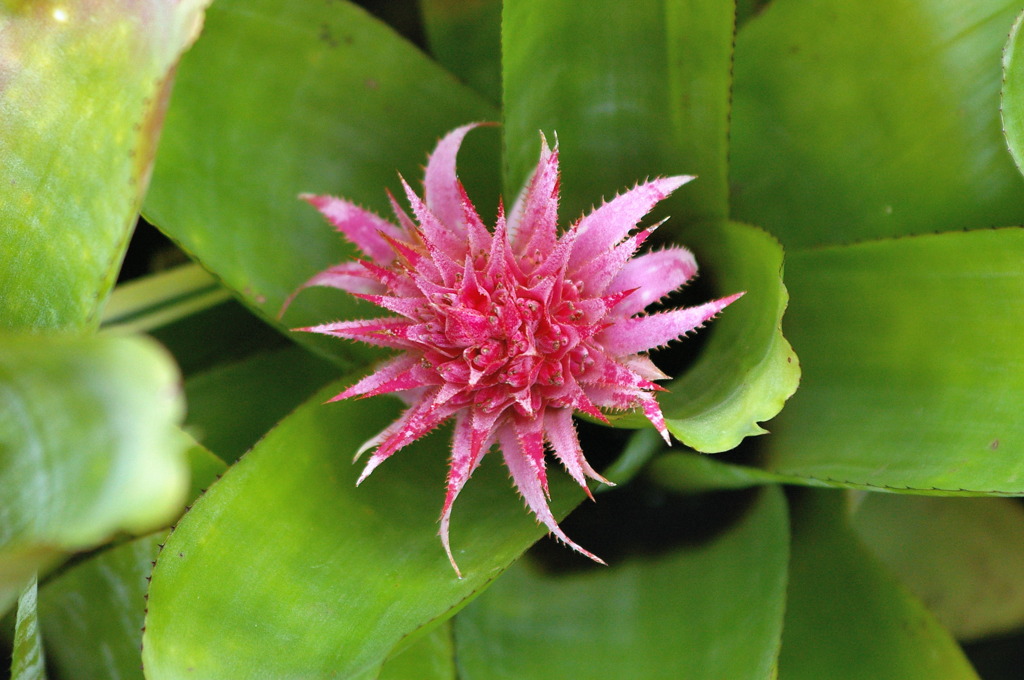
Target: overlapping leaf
338,575
277,100
83,87
912,365
712,610
847,617
88,427
827,147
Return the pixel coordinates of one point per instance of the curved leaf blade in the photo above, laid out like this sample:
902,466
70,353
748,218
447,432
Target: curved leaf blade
364,565
847,617
961,556
654,99
279,100
912,367
83,87
465,38
827,151
709,611
89,431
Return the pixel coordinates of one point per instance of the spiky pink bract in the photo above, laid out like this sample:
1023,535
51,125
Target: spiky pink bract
509,332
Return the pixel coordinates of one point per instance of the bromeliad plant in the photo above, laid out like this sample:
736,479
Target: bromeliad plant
881,181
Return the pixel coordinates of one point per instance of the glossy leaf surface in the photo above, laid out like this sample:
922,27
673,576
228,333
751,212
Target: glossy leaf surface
827,150
653,99
912,365
961,556
277,100
847,618
465,37
713,610
89,427
83,87
27,660
338,574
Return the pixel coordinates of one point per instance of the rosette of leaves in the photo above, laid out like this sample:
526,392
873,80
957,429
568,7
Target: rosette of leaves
865,141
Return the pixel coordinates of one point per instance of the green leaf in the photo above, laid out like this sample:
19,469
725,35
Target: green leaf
961,556
83,86
653,98
826,150
912,370
432,657
685,472
160,299
465,37
92,613
27,660
847,618
280,99
363,566
709,611
1012,102
234,404
88,431
747,370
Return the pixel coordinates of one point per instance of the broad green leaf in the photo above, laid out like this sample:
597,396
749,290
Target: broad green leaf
83,87
284,98
465,37
1013,93
90,446
27,660
432,657
827,147
632,89
708,611
961,556
337,575
232,405
92,613
912,365
847,618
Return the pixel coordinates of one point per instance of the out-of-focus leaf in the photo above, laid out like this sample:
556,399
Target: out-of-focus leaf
280,99
961,556
27,660
232,405
632,89
432,657
1013,93
92,613
287,539
465,38
829,149
90,446
83,87
709,611
847,618
912,365
160,299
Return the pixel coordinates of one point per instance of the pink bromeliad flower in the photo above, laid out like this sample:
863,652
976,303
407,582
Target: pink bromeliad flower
512,331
